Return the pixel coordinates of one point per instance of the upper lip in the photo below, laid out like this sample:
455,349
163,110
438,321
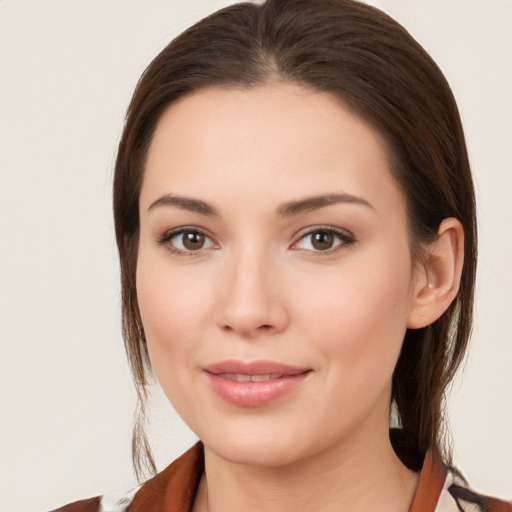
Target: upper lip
253,368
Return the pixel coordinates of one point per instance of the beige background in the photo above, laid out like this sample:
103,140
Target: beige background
67,70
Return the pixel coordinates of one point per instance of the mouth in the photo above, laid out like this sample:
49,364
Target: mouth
268,370
254,384
240,377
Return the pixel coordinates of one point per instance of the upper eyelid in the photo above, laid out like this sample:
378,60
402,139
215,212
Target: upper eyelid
170,233
321,227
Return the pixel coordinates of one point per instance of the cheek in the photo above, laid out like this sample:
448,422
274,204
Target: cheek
174,307
172,310
359,314
166,308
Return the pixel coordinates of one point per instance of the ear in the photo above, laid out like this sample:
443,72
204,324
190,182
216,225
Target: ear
437,275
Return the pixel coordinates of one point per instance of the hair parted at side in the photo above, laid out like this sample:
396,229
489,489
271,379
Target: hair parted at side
371,63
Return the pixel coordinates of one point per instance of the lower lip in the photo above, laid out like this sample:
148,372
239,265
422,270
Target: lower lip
254,394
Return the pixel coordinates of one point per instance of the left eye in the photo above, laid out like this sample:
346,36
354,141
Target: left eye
322,240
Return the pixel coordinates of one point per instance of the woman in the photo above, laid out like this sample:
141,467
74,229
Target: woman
295,219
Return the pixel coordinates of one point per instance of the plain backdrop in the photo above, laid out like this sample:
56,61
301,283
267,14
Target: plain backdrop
67,70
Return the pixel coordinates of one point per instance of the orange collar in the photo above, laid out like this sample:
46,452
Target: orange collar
174,489
432,478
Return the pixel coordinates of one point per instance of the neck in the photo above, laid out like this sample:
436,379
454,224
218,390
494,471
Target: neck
366,476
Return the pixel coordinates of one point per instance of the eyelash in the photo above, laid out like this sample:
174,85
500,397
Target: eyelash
166,238
346,238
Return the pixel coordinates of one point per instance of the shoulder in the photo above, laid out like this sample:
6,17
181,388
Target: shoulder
457,495
172,490
117,501
112,502
443,489
90,505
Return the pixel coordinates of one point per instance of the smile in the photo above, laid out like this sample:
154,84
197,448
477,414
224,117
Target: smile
254,384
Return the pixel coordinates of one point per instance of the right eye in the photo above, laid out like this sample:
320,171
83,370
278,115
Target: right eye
187,241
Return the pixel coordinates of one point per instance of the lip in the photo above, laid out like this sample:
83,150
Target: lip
272,380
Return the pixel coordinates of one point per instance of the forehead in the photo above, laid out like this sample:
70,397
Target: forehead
271,140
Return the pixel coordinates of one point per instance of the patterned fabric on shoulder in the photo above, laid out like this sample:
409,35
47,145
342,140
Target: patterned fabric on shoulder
456,496
118,501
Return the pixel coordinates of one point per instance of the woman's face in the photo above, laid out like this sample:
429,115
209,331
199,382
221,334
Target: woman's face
274,272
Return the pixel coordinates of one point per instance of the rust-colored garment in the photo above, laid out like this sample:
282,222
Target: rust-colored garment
173,490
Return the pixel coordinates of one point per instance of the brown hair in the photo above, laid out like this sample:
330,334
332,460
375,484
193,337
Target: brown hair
372,64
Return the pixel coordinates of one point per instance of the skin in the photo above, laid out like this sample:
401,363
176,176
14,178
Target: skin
259,289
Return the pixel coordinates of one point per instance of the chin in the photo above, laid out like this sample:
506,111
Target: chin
257,454
268,446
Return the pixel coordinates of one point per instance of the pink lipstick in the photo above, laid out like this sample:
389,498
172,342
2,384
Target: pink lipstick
253,384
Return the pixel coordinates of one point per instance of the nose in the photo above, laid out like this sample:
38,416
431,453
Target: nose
253,299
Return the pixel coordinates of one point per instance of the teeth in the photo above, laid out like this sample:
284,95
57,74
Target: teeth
261,378
239,377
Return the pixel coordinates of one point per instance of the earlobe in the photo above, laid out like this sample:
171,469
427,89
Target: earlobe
437,277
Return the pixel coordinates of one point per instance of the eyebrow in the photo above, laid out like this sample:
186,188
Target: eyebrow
289,209
310,204
186,203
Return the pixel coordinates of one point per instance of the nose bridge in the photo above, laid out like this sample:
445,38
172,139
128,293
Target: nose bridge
251,290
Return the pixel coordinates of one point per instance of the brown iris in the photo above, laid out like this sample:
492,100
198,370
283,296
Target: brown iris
322,240
193,240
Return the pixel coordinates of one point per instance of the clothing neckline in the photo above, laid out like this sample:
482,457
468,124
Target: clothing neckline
432,477
174,489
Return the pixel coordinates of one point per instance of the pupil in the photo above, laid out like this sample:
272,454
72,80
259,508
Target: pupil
323,240
193,241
